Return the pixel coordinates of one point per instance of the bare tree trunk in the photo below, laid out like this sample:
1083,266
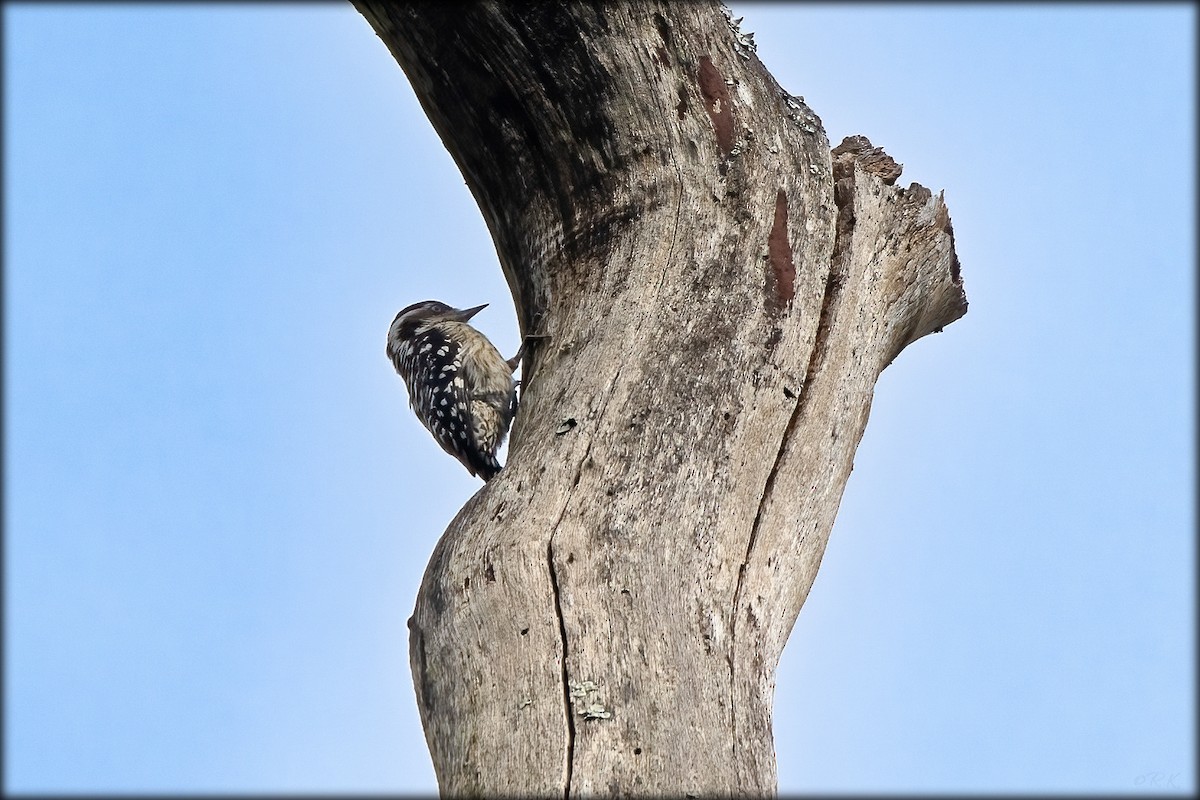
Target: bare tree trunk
720,292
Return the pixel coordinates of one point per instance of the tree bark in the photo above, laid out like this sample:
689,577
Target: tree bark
720,292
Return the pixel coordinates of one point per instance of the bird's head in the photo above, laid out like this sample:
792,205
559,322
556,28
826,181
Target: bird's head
421,315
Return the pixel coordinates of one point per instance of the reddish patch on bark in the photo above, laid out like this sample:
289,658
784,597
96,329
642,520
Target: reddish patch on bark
716,103
781,280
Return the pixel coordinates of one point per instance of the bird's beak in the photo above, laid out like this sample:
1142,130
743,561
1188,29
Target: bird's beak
467,313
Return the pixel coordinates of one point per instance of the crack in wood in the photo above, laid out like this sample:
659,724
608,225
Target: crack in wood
675,226
558,609
833,285
768,489
562,625
562,631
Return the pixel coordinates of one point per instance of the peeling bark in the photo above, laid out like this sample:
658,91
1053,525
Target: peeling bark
720,291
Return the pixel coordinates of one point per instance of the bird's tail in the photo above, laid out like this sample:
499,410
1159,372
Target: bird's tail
484,466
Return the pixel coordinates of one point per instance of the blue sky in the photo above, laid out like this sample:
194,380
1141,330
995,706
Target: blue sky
218,507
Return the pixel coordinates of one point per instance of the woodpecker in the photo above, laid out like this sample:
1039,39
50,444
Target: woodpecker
459,385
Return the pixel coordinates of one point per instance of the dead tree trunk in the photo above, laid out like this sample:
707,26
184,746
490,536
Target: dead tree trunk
720,293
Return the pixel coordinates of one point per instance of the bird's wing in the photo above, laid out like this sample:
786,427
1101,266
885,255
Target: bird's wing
440,397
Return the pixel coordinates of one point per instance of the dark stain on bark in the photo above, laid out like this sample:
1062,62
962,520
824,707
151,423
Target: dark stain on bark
781,277
664,33
569,106
595,238
664,30
716,103
598,8
944,223
417,639
681,108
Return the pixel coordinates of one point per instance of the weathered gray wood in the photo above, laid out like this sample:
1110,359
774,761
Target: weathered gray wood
721,293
